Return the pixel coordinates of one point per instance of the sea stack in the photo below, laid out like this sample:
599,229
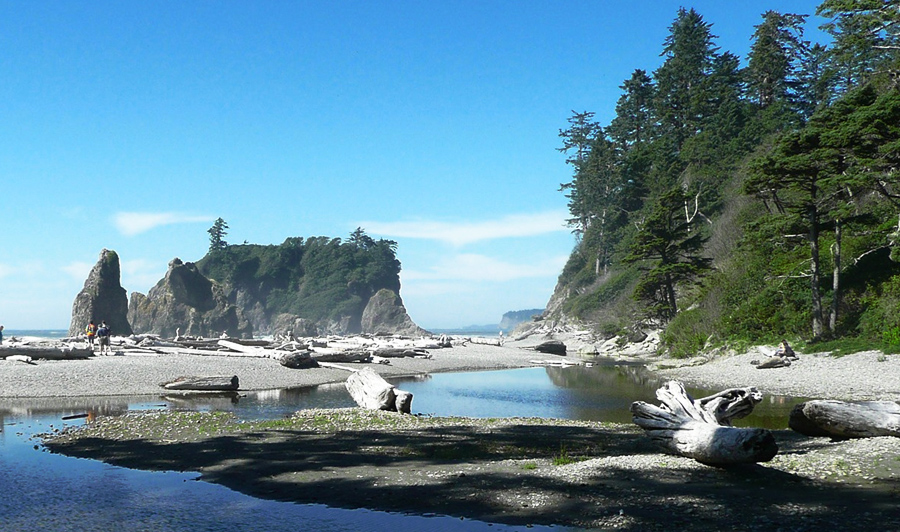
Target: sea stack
102,298
188,302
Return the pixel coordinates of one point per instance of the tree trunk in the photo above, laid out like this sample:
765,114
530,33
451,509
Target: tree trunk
817,323
836,277
839,419
701,429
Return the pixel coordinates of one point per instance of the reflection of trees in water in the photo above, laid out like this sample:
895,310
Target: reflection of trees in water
637,383
628,381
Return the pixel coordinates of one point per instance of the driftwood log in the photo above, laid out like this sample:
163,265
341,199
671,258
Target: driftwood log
215,383
371,391
298,360
774,362
701,429
49,353
839,419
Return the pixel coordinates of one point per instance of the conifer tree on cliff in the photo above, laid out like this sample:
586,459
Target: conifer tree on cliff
217,235
668,247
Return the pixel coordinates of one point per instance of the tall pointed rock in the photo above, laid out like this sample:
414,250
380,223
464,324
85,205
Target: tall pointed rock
102,298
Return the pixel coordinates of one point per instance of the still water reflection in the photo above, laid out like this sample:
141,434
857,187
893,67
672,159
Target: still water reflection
43,491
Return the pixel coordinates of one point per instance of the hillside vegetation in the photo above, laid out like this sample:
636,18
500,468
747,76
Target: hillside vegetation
740,201
322,280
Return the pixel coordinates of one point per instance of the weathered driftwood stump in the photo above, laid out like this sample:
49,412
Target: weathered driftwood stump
371,391
839,419
215,383
701,429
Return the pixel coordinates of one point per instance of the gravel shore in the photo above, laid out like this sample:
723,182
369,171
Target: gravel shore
132,374
868,375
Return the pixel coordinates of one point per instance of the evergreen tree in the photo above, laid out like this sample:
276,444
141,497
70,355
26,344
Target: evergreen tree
681,102
866,37
634,121
668,242
774,56
360,239
582,132
217,235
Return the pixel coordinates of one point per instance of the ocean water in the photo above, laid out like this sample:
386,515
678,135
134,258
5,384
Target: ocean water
53,334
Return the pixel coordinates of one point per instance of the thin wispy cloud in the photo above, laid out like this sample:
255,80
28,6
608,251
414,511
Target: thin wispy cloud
462,233
473,267
135,223
5,270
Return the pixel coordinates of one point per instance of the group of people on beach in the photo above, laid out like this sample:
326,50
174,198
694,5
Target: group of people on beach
102,333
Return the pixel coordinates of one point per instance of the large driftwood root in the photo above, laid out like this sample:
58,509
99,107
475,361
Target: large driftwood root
839,419
701,429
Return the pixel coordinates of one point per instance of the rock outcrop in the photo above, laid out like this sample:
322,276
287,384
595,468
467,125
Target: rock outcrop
102,298
385,313
187,302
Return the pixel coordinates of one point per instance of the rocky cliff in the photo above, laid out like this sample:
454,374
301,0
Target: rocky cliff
187,302
317,286
102,298
385,313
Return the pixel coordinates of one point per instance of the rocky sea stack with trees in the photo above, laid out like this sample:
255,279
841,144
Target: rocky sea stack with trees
734,205
319,285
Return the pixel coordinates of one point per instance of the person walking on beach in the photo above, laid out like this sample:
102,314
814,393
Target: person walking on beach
1,334
91,331
103,334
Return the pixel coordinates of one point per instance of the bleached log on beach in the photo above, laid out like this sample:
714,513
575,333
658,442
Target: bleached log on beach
484,341
241,348
371,391
218,383
338,355
19,358
428,343
695,429
839,419
46,352
398,352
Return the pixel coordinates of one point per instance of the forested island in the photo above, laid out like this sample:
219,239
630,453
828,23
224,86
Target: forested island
729,204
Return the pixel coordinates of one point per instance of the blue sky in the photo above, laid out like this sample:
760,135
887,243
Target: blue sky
131,126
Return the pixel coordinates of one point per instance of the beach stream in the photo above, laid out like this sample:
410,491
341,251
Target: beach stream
45,491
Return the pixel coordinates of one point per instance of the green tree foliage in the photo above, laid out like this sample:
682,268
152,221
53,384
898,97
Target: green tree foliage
319,278
671,250
217,235
866,37
774,58
577,139
681,103
784,170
